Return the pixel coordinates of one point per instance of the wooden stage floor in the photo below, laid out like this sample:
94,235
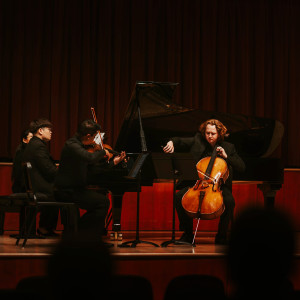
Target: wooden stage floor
158,264
44,247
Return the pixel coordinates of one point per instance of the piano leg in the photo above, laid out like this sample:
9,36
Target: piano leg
269,191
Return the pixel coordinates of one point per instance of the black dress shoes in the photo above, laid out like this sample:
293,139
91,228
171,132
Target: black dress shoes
186,238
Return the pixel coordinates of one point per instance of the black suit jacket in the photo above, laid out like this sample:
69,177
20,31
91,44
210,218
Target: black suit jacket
74,162
199,148
43,165
17,174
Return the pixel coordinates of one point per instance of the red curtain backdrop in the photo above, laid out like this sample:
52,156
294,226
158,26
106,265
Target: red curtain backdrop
58,58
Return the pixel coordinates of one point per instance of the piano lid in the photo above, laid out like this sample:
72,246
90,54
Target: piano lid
163,119
154,99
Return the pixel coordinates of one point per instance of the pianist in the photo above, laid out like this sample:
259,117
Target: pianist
71,180
211,133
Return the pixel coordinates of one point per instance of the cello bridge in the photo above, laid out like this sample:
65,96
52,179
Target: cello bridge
204,185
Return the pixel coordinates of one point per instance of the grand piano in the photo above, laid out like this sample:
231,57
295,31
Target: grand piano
152,118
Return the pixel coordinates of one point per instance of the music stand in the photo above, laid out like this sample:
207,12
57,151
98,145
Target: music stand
135,173
165,169
183,167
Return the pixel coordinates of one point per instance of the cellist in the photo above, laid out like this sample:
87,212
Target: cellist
211,133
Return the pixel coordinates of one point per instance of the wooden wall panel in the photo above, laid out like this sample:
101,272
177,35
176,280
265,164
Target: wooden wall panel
156,203
14,269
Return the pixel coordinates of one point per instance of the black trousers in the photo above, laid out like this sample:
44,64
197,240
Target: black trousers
186,222
94,202
113,180
49,215
48,218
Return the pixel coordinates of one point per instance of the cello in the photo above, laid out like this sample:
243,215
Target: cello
204,200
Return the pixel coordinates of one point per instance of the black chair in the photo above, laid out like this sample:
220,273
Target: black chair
194,286
132,287
34,201
8,294
13,203
36,286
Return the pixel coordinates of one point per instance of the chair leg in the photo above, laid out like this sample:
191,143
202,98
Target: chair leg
22,217
22,225
29,218
32,233
32,221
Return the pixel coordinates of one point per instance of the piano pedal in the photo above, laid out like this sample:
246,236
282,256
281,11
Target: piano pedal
120,236
113,236
116,236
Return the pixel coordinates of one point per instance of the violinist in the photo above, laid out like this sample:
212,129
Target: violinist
211,133
71,181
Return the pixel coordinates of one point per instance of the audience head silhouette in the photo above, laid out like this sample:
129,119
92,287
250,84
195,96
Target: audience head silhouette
260,254
80,267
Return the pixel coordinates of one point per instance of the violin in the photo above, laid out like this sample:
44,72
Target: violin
204,200
99,145
95,147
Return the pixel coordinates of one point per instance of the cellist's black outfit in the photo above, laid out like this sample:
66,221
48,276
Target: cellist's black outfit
200,148
71,184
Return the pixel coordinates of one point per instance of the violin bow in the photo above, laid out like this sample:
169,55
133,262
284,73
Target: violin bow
99,133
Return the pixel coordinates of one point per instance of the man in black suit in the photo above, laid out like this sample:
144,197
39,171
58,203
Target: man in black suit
43,171
211,133
72,179
16,175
